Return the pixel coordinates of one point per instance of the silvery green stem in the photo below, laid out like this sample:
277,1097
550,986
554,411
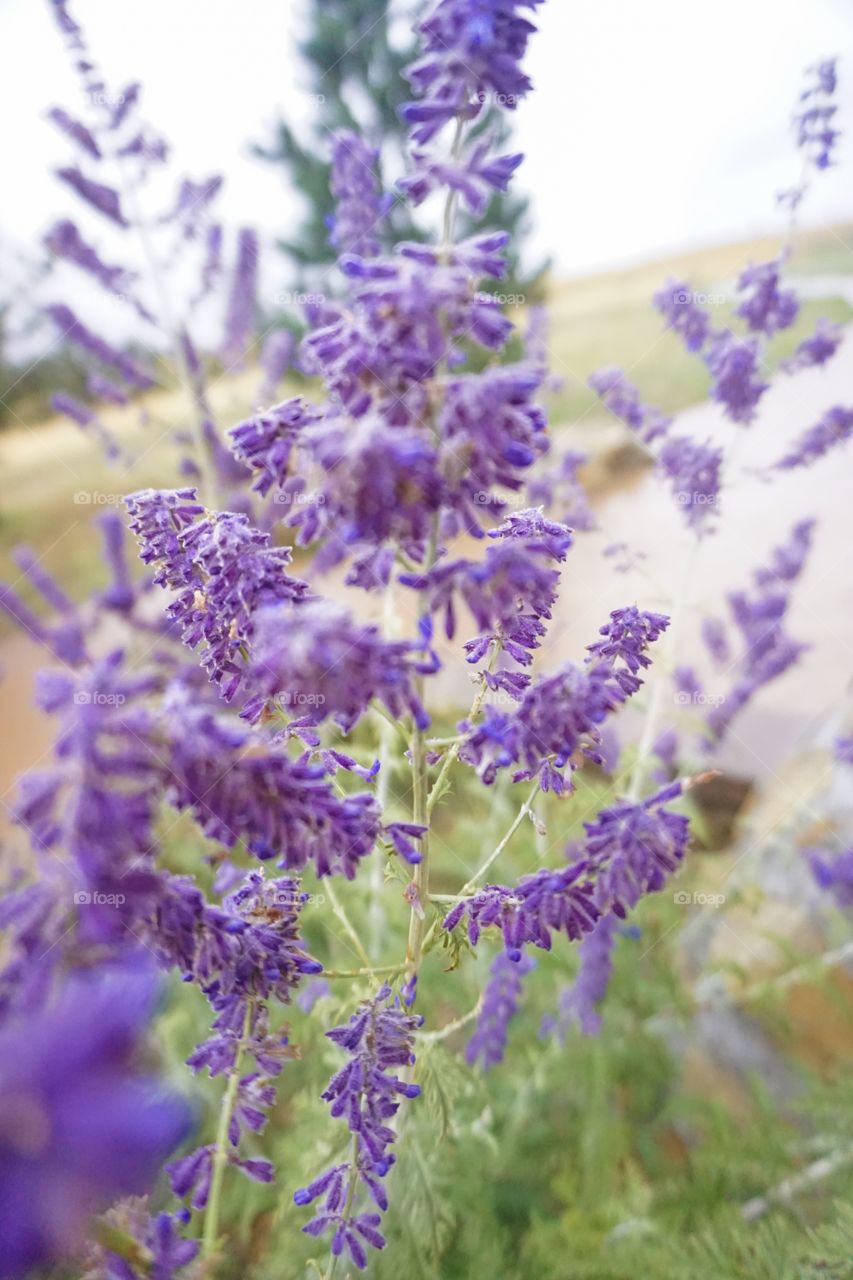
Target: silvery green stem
220,1154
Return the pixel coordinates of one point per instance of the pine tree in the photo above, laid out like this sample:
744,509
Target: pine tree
354,53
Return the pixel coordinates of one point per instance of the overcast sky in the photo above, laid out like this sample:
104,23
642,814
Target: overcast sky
657,124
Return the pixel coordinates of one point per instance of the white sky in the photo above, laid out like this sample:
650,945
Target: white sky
657,124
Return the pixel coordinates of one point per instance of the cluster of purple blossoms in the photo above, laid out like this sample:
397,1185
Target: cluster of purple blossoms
835,427
240,788
97,804
252,955
510,592
816,136
222,568
817,349
469,52
623,399
314,661
733,361
693,469
240,315
559,717
580,1002
629,850
367,1091
501,999
410,439
766,308
79,1124
266,442
758,615
834,873
359,206
558,488
177,232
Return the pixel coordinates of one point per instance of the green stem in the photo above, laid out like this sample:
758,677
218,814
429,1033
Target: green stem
339,911
420,769
486,864
220,1154
367,972
456,744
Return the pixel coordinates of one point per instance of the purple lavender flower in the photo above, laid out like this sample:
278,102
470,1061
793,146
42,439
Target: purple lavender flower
248,953
715,640
675,301
157,1236
211,268
475,176
367,1091
759,616
470,56
384,486
276,355
816,136
626,637
490,422
629,850
265,442
544,902
239,788
76,332
223,571
64,636
816,350
189,212
634,848
580,1002
240,316
75,130
359,207
501,999
79,1126
834,874
788,560
560,716
315,661
98,802
65,241
623,399
96,194
120,594
766,308
510,592
694,472
734,362
833,428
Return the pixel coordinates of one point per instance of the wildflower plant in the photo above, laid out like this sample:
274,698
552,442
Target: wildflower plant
298,745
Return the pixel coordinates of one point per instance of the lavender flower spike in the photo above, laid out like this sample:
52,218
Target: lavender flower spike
367,1091
79,1125
500,1003
354,182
